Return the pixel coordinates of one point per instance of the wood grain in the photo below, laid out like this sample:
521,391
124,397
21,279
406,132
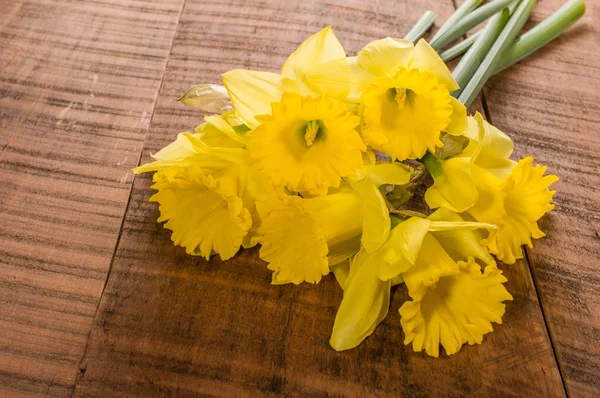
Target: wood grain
78,86
170,324
550,105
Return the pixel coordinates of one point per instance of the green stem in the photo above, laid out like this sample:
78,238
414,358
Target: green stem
421,27
542,34
466,7
459,49
434,167
502,43
469,21
462,47
473,58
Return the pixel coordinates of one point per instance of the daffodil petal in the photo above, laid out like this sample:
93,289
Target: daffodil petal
341,272
395,173
376,221
458,118
317,49
342,251
189,150
224,128
400,252
490,205
212,136
385,56
359,79
454,188
461,239
365,304
496,148
427,59
252,92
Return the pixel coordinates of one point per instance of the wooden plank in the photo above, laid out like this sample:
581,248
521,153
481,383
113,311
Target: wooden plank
171,324
550,105
78,86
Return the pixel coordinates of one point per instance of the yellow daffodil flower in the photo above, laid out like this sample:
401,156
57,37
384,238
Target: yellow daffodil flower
206,215
207,194
404,94
453,187
441,312
297,235
253,92
407,103
304,139
453,303
302,238
515,205
307,144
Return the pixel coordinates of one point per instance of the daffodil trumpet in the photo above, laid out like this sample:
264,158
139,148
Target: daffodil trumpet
322,166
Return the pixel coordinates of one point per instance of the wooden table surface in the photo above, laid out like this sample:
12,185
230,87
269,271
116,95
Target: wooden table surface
96,301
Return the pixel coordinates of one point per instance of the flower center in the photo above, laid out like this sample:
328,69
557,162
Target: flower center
399,96
312,131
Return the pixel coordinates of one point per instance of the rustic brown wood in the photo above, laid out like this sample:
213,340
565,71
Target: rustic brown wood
171,324
78,84
550,105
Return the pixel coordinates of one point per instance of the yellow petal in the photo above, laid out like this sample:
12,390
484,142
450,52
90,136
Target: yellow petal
253,92
342,251
376,221
461,243
400,252
208,97
365,304
490,204
341,272
359,79
427,59
317,49
496,148
431,263
458,118
454,188
189,150
220,125
214,137
205,215
331,78
384,57
395,173
458,308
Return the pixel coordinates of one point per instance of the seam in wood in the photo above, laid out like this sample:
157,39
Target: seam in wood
546,323
488,116
82,364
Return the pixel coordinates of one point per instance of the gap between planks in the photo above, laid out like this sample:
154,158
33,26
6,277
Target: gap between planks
82,363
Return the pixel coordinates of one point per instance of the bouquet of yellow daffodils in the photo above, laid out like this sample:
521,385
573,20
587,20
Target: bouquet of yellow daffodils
317,165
